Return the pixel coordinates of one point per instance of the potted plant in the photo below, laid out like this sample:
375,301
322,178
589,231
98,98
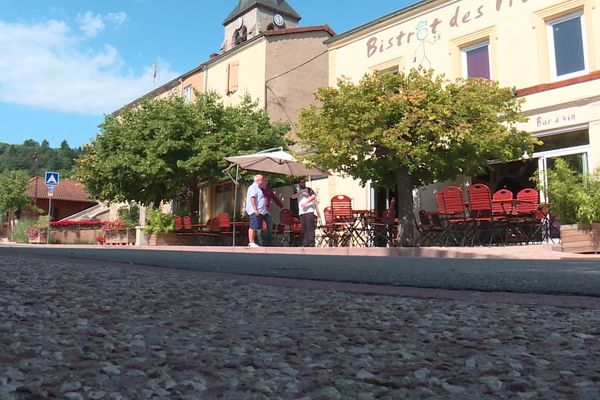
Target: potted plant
159,228
117,233
37,233
101,239
575,201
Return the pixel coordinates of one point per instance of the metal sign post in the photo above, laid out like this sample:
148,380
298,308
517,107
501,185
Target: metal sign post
50,195
52,179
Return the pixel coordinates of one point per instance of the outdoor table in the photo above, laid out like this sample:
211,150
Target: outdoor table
518,226
350,229
513,203
360,227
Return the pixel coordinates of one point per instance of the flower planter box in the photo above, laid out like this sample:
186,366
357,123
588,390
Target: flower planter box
39,239
163,239
580,238
74,236
121,238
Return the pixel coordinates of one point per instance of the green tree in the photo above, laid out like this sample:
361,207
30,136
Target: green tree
409,130
13,193
166,147
21,157
574,197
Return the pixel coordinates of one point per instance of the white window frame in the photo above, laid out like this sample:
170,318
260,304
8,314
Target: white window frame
390,70
464,60
543,156
551,51
188,93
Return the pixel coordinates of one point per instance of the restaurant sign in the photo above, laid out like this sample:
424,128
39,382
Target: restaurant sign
427,32
555,120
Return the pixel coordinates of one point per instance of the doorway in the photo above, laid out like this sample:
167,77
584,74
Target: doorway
576,158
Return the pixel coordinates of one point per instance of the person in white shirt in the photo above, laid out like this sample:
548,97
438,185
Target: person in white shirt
306,209
256,209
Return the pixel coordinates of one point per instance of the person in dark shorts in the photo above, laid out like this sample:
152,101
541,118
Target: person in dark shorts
256,209
266,237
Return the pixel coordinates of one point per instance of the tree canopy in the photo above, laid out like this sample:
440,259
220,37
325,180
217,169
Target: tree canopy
13,191
21,157
164,147
411,129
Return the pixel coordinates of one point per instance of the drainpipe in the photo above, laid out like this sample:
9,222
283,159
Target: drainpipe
205,79
181,87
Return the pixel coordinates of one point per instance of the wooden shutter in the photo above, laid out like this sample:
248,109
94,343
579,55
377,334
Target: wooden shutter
232,77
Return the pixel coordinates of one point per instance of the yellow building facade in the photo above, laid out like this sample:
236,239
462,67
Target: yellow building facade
548,51
267,55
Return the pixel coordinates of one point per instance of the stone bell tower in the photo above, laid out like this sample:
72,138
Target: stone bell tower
253,17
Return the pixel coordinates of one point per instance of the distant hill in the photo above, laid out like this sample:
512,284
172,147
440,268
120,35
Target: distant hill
21,157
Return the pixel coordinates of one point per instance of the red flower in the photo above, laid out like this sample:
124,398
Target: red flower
78,224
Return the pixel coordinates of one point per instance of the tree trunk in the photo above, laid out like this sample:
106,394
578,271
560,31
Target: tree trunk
406,216
194,198
11,218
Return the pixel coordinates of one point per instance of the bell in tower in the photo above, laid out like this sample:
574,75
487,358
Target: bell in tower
253,17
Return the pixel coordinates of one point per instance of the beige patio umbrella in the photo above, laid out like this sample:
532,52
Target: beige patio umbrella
275,161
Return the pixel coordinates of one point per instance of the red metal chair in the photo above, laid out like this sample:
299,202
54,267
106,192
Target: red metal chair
227,228
480,202
290,231
499,208
187,223
341,207
451,206
178,223
343,219
530,201
430,228
384,230
215,226
528,212
327,229
179,229
486,225
451,202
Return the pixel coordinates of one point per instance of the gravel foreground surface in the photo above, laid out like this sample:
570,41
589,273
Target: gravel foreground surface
79,330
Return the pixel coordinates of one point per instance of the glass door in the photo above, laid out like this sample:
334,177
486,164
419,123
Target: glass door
576,158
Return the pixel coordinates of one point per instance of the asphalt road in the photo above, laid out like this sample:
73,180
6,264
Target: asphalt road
539,277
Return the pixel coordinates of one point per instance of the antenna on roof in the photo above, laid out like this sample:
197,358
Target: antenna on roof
155,68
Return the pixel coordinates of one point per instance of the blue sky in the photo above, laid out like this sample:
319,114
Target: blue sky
66,63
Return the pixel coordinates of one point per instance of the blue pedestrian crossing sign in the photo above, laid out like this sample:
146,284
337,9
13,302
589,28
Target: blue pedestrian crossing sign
52,178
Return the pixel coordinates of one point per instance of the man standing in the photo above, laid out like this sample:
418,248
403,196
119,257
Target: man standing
266,238
255,207
306,209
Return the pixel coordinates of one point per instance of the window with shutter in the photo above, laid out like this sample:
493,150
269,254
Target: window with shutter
188,94
232,77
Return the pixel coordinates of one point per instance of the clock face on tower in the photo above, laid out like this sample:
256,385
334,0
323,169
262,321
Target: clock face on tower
278,20
239,23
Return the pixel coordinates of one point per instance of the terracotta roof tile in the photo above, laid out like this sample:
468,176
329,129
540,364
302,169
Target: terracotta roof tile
68,190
